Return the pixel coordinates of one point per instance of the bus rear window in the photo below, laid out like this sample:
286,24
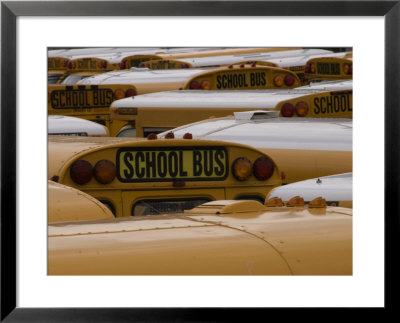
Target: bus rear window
154,207
53,78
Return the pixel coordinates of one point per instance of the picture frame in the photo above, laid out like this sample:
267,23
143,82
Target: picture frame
10,10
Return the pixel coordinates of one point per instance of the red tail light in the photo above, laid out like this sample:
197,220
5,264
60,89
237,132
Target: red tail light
170,135
130,92
287,110
187,136
289,80
104,171
152,136
348,69
81,172
195,85
102,64
71,65
263,168
122,65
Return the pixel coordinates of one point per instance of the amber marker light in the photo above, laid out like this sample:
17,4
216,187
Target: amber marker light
206,85
104,171
301,108
241,168
295,201
274,202
81,172
278,80
119,94
318,202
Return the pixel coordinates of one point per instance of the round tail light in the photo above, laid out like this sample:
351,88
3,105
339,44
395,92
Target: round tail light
263,168
278,80
206,85
170,135
81,172
152,136
130,92
187,135
301,108
295,201
71,65
195,85
119,94
241,168
287,110
122,65
104,171
289,80
348,69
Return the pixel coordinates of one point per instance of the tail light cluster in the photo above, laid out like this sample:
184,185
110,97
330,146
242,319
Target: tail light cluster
348,69
243,168
102,64
120,93
82,171
203,85
71,65
280,80
300,109
310,68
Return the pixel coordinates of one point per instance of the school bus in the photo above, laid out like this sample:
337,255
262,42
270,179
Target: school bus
158,112
71,126
92,97
337,190
303,148
235,59
216,238
329,68
137,59
57,69
133,176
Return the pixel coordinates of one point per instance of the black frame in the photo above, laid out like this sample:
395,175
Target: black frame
10,10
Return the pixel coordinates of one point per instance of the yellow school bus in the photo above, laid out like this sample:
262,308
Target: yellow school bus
92,97
158,112
216,238
89,102
303,148
57,69
329,68
133,176
137,59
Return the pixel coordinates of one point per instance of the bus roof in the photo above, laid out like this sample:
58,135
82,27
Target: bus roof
257,129
65,125
232,59
216,99
142,75
332,188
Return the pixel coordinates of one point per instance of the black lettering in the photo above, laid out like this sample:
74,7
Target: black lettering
173,164
219,169
109,98
182,172
219,82
68,99
162,164
54,99
336,103
323,109
263,79
128,173
329,104
197,167
208,163
150,164
95,98
343,103
349,103
317,108
139,158
230,82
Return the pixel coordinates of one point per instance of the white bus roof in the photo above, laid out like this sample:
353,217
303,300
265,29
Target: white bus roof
142,75
64,125
300,60
273,132
232,59
331,188
257,99
334,85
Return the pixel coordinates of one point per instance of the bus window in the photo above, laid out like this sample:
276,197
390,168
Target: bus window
303,148
147,175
